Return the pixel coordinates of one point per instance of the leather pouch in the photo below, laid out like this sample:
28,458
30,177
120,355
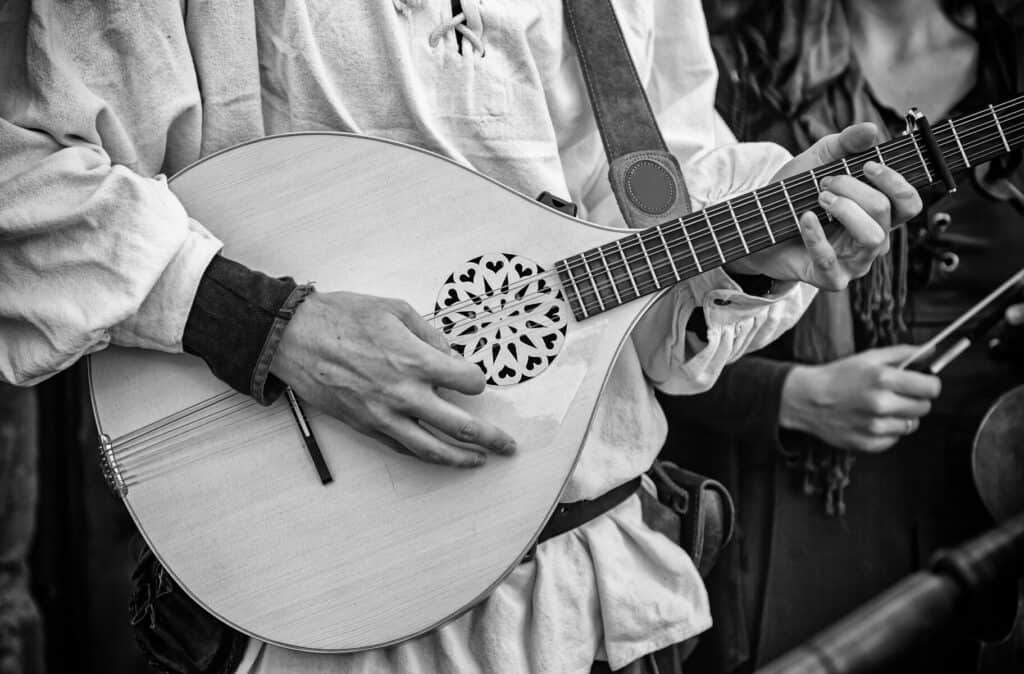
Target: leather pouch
704,514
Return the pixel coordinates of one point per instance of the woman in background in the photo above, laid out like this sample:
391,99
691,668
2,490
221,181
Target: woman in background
827,396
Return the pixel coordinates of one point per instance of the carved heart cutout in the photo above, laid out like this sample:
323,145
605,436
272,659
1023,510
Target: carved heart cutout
504,297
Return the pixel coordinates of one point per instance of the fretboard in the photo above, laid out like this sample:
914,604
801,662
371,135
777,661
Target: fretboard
651,259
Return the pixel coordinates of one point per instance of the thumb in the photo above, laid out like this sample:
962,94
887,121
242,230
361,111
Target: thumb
891,355
854,138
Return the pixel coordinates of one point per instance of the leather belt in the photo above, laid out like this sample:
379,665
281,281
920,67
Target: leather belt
568,516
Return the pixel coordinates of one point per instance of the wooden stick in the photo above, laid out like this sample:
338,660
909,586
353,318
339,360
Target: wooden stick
958,348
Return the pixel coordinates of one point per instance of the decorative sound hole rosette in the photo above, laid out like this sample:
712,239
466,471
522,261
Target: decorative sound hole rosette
500,312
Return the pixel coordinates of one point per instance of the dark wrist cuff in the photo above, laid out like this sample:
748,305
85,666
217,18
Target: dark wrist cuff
236,322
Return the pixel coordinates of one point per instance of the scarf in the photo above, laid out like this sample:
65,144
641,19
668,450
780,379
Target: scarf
801,67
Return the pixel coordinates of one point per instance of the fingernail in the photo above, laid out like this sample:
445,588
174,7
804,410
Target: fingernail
827,199
509,448
873,168
825,182
478,461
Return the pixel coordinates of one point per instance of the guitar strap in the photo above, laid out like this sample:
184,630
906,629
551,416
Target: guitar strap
646,179
649,187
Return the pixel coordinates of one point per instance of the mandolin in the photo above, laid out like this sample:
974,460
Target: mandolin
223,489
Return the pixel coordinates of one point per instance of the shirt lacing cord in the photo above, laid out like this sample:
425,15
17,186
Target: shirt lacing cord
467,21
459,22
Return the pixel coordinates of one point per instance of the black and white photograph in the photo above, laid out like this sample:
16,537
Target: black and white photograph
511,336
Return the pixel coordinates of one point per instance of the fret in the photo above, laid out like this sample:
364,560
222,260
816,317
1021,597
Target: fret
789,202
846,166
711,228
647,257
608,273
739,230
593,281
817,188
917,148
629,268
878,151
956,137
764,217
668,252
999,127
575,289
682,226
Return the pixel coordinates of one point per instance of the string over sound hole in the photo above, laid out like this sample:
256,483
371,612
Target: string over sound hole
505,314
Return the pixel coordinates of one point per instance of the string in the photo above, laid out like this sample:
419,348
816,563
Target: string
706,240
725,240
128,449
1008,126
906,151
175,455
202,404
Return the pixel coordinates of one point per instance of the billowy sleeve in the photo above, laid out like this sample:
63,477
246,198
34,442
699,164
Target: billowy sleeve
94,248
669,43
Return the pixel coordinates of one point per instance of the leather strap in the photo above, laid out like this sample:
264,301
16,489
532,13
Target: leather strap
568,516
611,78
646,179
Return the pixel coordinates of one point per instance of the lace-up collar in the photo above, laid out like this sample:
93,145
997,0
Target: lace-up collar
466,21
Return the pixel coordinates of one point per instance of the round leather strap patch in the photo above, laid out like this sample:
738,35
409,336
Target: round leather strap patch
650,187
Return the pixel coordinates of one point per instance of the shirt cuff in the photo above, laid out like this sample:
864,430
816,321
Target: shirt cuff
756,319
736,323
236,323
160,321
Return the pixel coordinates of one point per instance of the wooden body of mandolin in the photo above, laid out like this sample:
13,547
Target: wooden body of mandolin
223,489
